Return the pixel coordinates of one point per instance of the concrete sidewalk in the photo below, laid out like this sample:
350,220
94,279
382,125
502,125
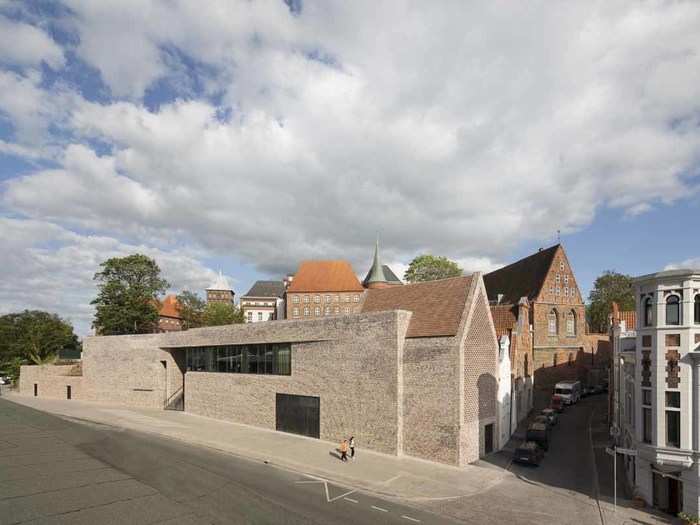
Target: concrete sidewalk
400,478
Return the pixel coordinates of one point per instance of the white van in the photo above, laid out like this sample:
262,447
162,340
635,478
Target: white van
569,391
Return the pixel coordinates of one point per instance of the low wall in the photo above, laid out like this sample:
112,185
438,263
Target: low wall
51,380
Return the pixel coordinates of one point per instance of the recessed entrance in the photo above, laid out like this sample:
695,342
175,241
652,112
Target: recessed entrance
68,392
298,414
488,438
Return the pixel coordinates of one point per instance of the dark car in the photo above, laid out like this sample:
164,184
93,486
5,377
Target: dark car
552,415
557,403
545,420
539,433
529,452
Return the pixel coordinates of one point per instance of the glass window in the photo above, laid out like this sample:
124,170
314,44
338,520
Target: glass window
328,298
337,298
697,309
356,298
347,298
283,361
646,425
260,316
347,309
327,310
558,279
566,279
337,309
306,310
295,312
306,298
317,299
673,428
317,311
250,316
646,397
552,321
648,310
673,399
673,310
571,323
566,291
295,299
557,290
252,359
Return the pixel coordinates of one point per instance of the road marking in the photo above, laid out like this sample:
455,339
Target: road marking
410,518
350,499
379,508
325,485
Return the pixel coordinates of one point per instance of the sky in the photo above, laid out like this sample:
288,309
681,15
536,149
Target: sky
248,136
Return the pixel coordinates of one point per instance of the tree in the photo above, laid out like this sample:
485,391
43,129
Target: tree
191,309
608,288
217,314
34,337
128,295
430,267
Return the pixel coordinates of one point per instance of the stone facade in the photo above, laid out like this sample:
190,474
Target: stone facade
52,381
428,397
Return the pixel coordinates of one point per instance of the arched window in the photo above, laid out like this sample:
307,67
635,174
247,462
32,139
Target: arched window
648,310
697,309
673,310
571,323
553,322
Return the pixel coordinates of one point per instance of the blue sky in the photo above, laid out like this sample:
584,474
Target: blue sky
248,136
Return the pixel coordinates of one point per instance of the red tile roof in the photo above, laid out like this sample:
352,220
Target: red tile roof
504,318
325,276
170,307
437,306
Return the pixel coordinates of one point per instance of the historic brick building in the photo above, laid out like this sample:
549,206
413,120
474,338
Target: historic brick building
169,317
322,288
220,291
557,314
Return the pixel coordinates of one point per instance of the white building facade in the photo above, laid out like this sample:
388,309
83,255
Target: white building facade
505,384
666,397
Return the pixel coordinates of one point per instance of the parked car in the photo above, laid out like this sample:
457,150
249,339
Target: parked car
557,403
569,391
539,433
528,452
552,415
597,389
544,420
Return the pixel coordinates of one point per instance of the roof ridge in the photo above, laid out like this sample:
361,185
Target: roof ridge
532,255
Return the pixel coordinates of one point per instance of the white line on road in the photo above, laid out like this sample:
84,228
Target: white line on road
410,518
350,499
379,508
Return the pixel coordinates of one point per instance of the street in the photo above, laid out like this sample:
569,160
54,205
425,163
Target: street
76,470
57,471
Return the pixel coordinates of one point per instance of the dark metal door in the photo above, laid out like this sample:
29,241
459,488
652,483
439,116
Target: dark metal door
68,392
299,414
488,439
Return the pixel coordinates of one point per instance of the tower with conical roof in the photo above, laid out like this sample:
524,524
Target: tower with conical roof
380,275
220,291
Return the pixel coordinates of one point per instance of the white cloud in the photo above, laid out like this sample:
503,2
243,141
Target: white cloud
692,263
460,131
25,45
50,268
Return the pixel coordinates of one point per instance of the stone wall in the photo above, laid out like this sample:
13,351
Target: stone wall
52,381
431,398
480,349
350,363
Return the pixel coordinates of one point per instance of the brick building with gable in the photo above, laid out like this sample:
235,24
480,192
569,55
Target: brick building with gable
545,281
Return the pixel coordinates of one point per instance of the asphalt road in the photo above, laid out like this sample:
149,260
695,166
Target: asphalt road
57,471
562,490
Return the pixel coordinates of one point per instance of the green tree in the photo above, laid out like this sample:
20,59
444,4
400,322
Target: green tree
608,287
34,337
191,309
217,314
128,295
431,267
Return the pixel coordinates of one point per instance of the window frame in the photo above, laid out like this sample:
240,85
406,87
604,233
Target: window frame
696,309
552,316
677,304
648,312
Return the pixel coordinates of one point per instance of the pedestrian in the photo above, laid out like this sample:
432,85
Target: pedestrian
352,447
344,450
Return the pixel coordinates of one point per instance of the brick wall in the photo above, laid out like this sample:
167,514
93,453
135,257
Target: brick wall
431,398
480,349
51,380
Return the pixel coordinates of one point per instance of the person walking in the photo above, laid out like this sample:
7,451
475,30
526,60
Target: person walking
344,450
352,447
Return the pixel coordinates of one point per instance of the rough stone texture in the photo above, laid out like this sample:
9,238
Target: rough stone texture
480,367
426,397
51,380
431,398
353,371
